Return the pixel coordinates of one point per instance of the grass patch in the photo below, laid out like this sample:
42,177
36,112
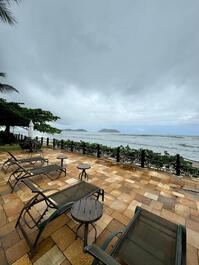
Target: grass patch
8,147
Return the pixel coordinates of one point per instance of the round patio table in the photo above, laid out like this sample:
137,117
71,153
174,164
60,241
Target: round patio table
62,157
83,173
86,211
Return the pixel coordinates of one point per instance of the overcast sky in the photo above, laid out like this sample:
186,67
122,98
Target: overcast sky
131,64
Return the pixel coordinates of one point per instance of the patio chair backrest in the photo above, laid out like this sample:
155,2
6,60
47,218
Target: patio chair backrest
32,186
149,240
13,156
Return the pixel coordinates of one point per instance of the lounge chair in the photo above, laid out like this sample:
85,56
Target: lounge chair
147,240
22,173
60,201
31,160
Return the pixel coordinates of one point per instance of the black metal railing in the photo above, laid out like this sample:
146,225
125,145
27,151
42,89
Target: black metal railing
174,164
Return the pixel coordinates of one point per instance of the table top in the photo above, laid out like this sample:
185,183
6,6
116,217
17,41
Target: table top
87,210
61,156
84,166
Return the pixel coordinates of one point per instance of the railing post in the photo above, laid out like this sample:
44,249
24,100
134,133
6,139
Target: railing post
62,144
118,154
72,146
42,140
21,137
47,142
53,143
142,158
98,151
83,148
178,165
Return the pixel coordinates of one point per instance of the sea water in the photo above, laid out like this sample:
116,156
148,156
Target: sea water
186,146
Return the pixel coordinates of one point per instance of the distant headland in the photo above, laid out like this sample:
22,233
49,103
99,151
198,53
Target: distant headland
109,131
75,130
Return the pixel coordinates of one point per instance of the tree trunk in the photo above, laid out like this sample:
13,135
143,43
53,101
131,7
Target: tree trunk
7,130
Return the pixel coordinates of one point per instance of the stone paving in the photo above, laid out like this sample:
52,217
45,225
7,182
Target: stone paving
125,188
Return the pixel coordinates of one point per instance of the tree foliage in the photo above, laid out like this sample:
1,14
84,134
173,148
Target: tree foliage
14,114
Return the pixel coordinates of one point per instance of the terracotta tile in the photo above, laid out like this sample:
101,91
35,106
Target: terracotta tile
103,237
115,193
72,225
142,199
192,225
91,234
133,205
9,197
194,215
120,217
151,196
65,262
10,239
3,218
182,210
168,203
178,194
129,213
108,210
42,248
156,205
6,229
17,251
3,259
115,225
13,207
53,256
172,217
118,205
55,225
192,256
23,261
75,254
187,202
63,237
193,238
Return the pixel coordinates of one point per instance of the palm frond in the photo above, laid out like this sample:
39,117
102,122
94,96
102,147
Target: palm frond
5,14
7,88
9,2
3,74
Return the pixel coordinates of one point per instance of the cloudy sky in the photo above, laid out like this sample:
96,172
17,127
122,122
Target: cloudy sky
131,65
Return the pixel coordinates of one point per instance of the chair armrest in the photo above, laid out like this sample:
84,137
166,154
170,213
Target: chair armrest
109,239
100,255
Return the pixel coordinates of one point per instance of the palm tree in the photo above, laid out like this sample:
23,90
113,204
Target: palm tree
4,87
5,13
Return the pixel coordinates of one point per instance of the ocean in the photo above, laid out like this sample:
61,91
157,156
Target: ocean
186,146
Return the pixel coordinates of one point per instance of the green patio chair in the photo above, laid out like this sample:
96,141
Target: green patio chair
12,160
147,240
22,173
59,203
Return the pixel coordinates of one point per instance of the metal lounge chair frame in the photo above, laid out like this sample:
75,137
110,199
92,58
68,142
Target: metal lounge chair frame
140,251
21,173
31,160
61,201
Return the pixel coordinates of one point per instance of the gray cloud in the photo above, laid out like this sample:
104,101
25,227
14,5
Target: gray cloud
106,63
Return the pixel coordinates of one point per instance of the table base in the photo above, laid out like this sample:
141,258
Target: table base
86,225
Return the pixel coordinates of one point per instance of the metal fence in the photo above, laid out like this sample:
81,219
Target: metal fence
174,164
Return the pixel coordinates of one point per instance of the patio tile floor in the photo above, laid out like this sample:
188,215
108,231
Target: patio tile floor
125,188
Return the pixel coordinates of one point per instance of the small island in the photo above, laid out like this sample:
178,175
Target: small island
74,130
109,131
